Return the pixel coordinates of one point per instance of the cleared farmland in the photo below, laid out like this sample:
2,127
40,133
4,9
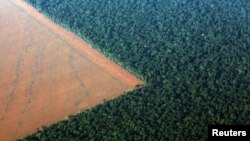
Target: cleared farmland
47,73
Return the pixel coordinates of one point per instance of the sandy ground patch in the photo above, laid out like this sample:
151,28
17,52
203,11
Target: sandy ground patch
48,73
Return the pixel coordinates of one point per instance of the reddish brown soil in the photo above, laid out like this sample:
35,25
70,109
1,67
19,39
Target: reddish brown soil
48,73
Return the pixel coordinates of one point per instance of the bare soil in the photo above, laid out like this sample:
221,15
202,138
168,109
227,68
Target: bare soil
47,73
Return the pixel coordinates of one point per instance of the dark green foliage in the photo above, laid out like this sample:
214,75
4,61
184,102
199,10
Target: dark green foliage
194,55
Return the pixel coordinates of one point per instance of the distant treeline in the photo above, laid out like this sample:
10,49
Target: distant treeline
193,54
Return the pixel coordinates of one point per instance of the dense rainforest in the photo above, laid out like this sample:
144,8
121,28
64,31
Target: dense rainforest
194,56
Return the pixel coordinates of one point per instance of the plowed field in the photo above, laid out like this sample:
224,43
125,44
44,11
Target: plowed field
48,73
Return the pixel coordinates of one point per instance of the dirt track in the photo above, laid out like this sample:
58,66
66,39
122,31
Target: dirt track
48,73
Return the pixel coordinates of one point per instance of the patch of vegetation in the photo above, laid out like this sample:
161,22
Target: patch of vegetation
194,55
